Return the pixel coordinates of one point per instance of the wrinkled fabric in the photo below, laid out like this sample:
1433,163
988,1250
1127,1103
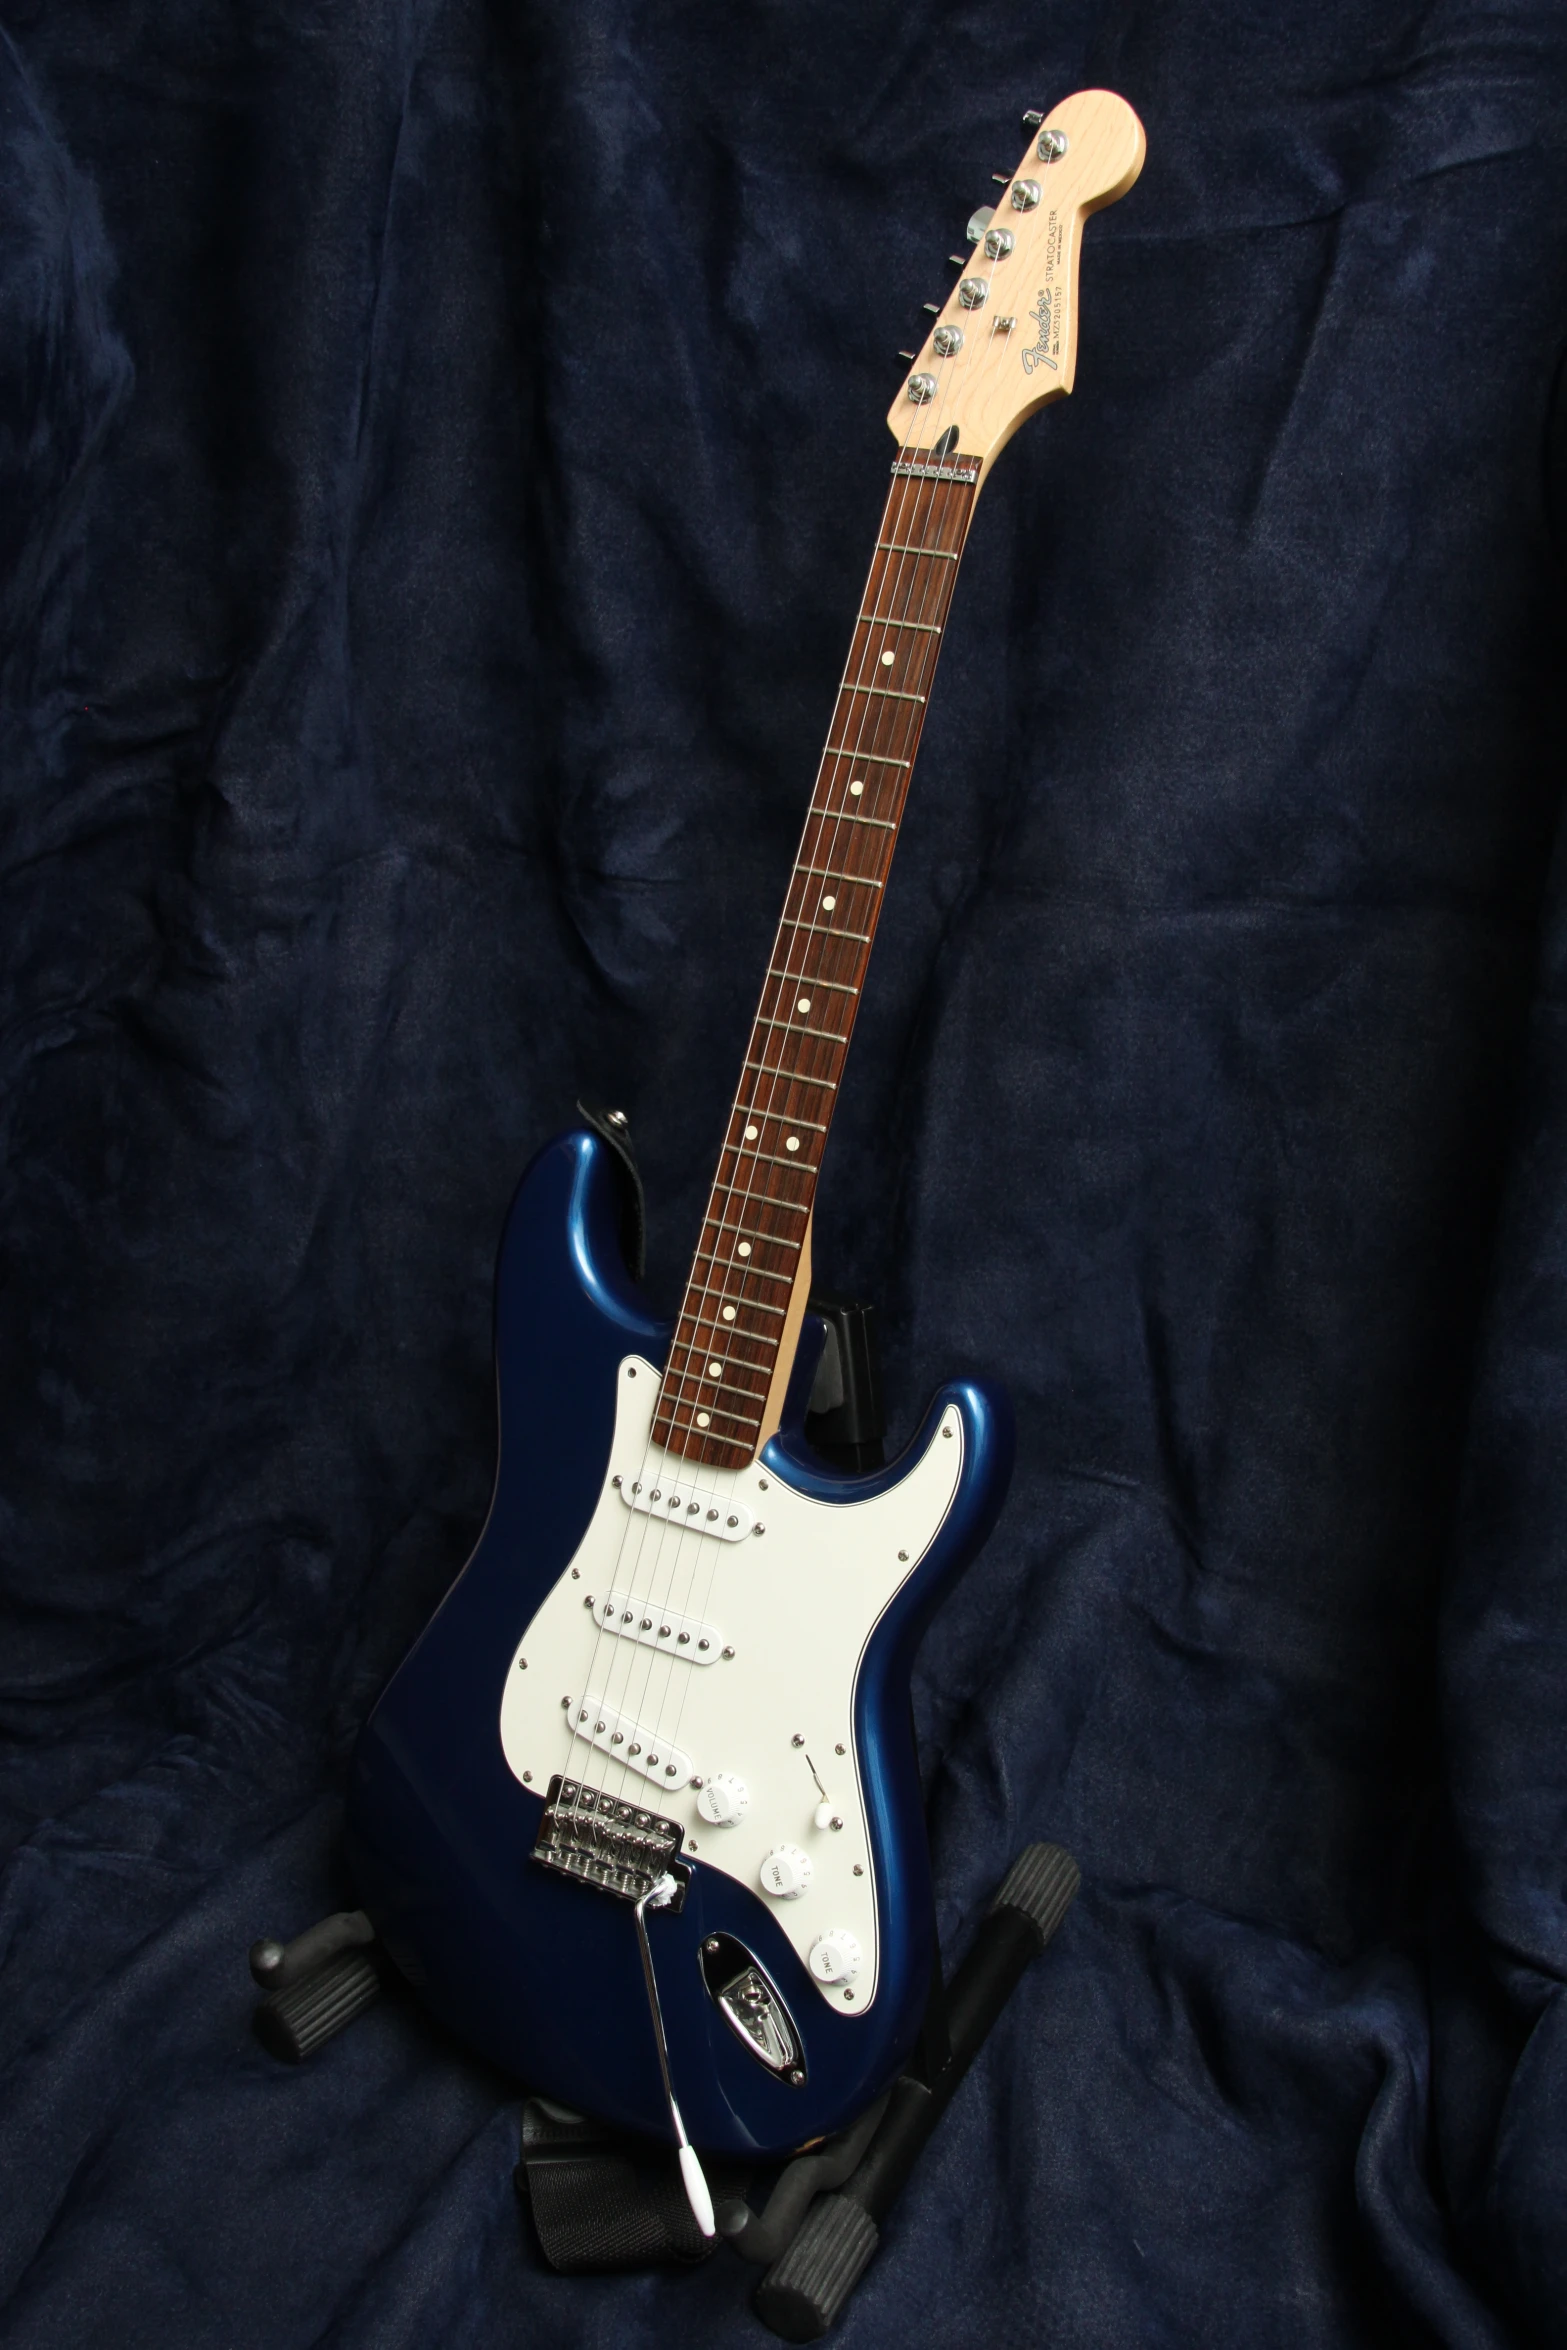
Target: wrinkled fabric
441,446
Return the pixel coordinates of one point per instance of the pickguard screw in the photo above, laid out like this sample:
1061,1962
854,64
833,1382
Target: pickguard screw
522,1664
946,1432
758,1529
848,1999
761,1484
696,1782
527,1778
576,1574
729,1652
615,1481
566,1701
859,1872
903,1554
797,1739
835,1822
840,1750
711,1946
796,2078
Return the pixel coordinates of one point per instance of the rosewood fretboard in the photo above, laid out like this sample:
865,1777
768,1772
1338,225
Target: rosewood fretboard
732,1319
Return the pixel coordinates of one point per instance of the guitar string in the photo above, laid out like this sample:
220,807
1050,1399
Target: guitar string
634,1711
729,1202
722,1205
897,582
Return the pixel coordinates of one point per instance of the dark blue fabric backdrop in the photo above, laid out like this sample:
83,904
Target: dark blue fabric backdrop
441,447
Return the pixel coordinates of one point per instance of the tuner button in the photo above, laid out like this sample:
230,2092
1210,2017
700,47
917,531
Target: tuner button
786,1872
978,223
835,1956
725,1800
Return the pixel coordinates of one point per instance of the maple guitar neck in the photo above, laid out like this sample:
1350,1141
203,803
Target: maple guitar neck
1003,346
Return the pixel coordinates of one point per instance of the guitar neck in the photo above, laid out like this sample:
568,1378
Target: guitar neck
736,1315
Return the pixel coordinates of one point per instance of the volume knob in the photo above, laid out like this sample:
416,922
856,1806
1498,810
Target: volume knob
724,1800
786,1872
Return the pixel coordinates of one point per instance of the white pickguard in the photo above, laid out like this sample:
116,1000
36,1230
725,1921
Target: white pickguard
796,1600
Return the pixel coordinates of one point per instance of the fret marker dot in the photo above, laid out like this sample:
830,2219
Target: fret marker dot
855,790
828,905
704,1420
804,1004
750,1134
715,1370
887,660
793,1143
744,1249
729,1313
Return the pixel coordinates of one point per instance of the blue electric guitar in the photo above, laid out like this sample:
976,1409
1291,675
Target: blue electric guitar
640,1815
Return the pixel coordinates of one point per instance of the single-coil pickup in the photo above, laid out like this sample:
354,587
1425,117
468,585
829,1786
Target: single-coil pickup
641,1750
695,1513
656,1627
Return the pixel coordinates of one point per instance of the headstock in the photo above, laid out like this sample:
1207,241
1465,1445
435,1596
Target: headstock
1006,340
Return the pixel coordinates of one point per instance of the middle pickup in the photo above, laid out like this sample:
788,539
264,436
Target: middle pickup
642,1619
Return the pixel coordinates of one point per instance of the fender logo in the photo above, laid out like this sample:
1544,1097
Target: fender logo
1039,353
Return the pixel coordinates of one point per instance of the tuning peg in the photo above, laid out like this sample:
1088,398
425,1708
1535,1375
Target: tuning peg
1003,179
978,223
906,355
958,260
1032,119
933,307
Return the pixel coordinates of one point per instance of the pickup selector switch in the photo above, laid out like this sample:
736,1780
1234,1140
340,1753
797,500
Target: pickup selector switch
725,1800
835,1957
786,1872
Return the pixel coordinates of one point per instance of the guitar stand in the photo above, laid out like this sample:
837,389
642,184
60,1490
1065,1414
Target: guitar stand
601,2202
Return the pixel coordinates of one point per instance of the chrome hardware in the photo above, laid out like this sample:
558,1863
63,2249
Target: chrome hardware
661,1896
1004,326
998,243
650,1632
1032,119
753,2007
973,292
1001,178
978,223
1052,146
617,1846
1025,195
946,340
797,1739
956,260
598,1723
933,307
922,388
908,356
702,1520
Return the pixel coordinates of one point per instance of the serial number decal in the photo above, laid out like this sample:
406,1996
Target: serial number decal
1045,351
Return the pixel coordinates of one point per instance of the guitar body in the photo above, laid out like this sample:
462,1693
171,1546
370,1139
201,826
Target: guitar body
799,1619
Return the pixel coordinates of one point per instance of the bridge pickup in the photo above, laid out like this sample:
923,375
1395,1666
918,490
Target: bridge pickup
617,1846
655,1627
630,1744
681,1504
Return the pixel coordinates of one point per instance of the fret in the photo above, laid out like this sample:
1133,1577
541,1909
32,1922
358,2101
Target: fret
828,929
746,1305
809,979
848,816
885,620
711,1405
885,693
853,880
799,1028
871,758
708,1389
768,1158
897,547
782,1118
713,1258
795,1077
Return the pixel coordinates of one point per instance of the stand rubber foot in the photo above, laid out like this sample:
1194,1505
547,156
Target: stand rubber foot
294,2022
801,2295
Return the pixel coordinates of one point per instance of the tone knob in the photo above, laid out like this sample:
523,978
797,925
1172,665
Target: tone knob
724,1800
786,1872
835,1957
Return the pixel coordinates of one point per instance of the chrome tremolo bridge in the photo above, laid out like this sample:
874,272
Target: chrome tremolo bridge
620,1847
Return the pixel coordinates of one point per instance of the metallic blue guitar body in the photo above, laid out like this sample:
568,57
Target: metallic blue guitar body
539,1970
